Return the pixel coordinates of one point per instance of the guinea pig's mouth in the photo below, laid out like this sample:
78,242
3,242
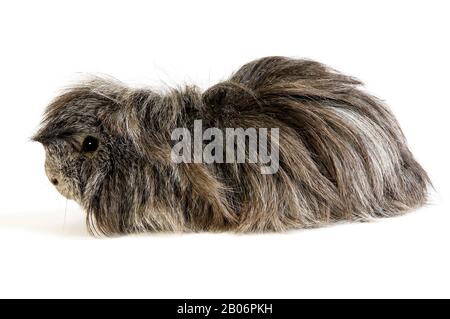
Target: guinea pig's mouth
59,181
64,190
62,187
65,194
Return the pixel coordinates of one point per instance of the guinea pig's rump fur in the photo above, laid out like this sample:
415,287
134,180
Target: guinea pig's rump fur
342,154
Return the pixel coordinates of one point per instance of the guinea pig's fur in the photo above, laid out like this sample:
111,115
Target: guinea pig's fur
342,154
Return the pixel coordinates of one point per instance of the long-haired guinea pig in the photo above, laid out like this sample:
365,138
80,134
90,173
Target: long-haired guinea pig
341,155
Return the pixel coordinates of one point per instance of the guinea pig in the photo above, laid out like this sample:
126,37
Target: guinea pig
341,155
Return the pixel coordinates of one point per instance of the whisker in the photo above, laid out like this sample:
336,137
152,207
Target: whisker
65,214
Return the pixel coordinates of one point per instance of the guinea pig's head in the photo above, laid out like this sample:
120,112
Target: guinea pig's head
77,146
92,150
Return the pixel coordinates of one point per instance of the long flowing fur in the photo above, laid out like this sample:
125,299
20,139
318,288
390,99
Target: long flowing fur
342,153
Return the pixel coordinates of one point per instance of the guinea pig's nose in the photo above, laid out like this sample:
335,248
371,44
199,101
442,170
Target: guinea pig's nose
54,181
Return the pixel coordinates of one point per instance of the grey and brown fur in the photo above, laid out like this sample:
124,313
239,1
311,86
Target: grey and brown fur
343,156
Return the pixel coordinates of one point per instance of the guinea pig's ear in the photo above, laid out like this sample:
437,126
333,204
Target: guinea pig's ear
146,119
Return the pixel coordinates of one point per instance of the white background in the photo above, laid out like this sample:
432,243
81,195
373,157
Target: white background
399,49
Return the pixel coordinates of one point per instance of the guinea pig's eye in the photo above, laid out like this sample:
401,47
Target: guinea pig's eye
90,144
